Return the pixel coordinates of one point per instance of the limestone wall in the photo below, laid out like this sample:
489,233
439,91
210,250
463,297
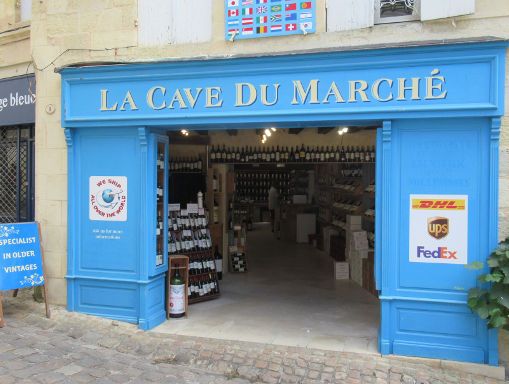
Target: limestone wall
66,32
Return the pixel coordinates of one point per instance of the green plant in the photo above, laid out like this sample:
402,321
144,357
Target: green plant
492,303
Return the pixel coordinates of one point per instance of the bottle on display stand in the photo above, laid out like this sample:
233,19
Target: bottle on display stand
218,259
177,295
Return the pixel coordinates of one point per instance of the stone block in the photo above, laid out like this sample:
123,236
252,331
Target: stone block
55,264
54,238
57,291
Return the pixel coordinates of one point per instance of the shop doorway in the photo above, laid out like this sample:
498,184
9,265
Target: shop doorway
292,274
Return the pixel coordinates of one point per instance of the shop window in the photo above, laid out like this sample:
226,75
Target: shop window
25,7
393,11
163,22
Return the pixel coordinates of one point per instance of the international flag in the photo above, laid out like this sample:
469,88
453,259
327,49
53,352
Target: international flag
262,29
275,18
262,19
247,2
247,20
306,5
233,3
233,31
233,22
261,9
291,7
247,11
306,15
275,1
233,12
247,31
276,28
291,27
262,1
276,8
307,25
291,17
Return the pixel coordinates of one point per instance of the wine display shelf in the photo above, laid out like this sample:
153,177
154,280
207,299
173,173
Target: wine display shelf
193,278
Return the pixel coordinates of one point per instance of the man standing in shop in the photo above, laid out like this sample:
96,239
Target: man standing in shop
273,204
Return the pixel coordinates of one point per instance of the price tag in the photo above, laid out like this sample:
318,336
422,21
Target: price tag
183,212
192,208
174,207
201,211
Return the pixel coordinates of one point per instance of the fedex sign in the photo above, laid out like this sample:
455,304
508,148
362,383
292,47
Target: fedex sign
438,232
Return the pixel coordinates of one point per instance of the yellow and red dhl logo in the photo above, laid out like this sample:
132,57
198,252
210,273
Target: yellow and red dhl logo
456,204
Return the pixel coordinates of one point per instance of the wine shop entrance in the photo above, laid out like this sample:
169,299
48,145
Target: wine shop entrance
291,224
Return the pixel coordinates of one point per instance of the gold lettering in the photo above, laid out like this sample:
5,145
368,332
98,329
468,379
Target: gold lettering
431,86
375,90
150,97
402,88
213,97
303,94
177,97
128,99
192,99
358,87
264,94
239,102
333,91
104,102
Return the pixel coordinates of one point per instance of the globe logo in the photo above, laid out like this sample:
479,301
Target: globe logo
108,196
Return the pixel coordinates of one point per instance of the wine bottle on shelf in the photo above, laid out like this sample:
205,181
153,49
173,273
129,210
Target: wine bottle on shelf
218,259
215,212
177,295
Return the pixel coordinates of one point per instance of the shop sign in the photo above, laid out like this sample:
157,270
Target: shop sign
108,198
17,100
20,256
439,229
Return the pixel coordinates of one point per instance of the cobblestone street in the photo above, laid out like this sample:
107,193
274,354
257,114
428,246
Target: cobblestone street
74,348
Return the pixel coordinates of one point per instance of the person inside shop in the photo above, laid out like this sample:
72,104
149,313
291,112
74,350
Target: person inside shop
273,204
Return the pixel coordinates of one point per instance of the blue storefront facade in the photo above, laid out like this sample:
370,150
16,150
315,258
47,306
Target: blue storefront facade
438,108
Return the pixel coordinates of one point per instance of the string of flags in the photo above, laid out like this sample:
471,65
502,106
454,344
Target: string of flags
247,19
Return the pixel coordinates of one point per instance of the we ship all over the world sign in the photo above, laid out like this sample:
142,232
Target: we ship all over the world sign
20,256
290,93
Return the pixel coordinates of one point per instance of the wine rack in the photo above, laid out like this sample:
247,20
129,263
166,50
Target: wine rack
186,165
302,154
189,235
252,186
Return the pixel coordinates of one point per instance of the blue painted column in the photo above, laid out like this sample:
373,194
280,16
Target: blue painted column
111,263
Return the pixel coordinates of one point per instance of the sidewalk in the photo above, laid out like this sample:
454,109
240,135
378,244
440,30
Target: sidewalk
74,348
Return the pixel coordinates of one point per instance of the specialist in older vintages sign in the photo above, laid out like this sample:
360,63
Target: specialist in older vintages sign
439,229
20,256
108,198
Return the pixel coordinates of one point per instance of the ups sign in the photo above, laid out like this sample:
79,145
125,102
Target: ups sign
438,227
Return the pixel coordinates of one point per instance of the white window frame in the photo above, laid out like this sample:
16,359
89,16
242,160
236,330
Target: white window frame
25,9
396,19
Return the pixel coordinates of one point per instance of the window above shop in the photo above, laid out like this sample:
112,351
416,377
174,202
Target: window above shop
393,11
162,22
25,9
344,15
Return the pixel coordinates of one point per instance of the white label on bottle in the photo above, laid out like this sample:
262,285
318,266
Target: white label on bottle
219,265
192,208
177,299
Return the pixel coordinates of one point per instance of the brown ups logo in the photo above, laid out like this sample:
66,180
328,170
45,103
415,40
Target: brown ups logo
438,227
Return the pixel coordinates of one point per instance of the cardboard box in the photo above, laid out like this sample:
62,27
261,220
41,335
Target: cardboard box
353,221
341,271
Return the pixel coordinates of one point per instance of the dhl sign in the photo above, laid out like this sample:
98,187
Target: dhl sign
453,204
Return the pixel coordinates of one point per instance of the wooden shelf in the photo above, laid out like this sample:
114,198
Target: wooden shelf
204,298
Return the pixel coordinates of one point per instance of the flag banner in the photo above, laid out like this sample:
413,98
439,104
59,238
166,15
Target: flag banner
266,18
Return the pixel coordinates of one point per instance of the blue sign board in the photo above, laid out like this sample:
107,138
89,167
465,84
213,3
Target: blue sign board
20,256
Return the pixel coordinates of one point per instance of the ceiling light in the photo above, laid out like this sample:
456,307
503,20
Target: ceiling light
345,130
273,129
268,132
185,132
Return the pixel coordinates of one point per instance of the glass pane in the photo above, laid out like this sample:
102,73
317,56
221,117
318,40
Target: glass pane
396,8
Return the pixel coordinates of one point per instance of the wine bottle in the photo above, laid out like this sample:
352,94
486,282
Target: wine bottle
218,258
177,295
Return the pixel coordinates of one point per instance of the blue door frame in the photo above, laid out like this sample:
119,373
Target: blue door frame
439,109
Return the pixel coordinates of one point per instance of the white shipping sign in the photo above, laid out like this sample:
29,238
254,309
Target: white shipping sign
108,198
438,229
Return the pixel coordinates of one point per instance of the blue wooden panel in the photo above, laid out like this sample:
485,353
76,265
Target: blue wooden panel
152,301
112,299
108,155
463,68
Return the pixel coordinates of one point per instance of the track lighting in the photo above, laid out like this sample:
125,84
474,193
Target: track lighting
185,132
268,133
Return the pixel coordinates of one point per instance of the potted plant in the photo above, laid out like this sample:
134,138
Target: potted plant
491,302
